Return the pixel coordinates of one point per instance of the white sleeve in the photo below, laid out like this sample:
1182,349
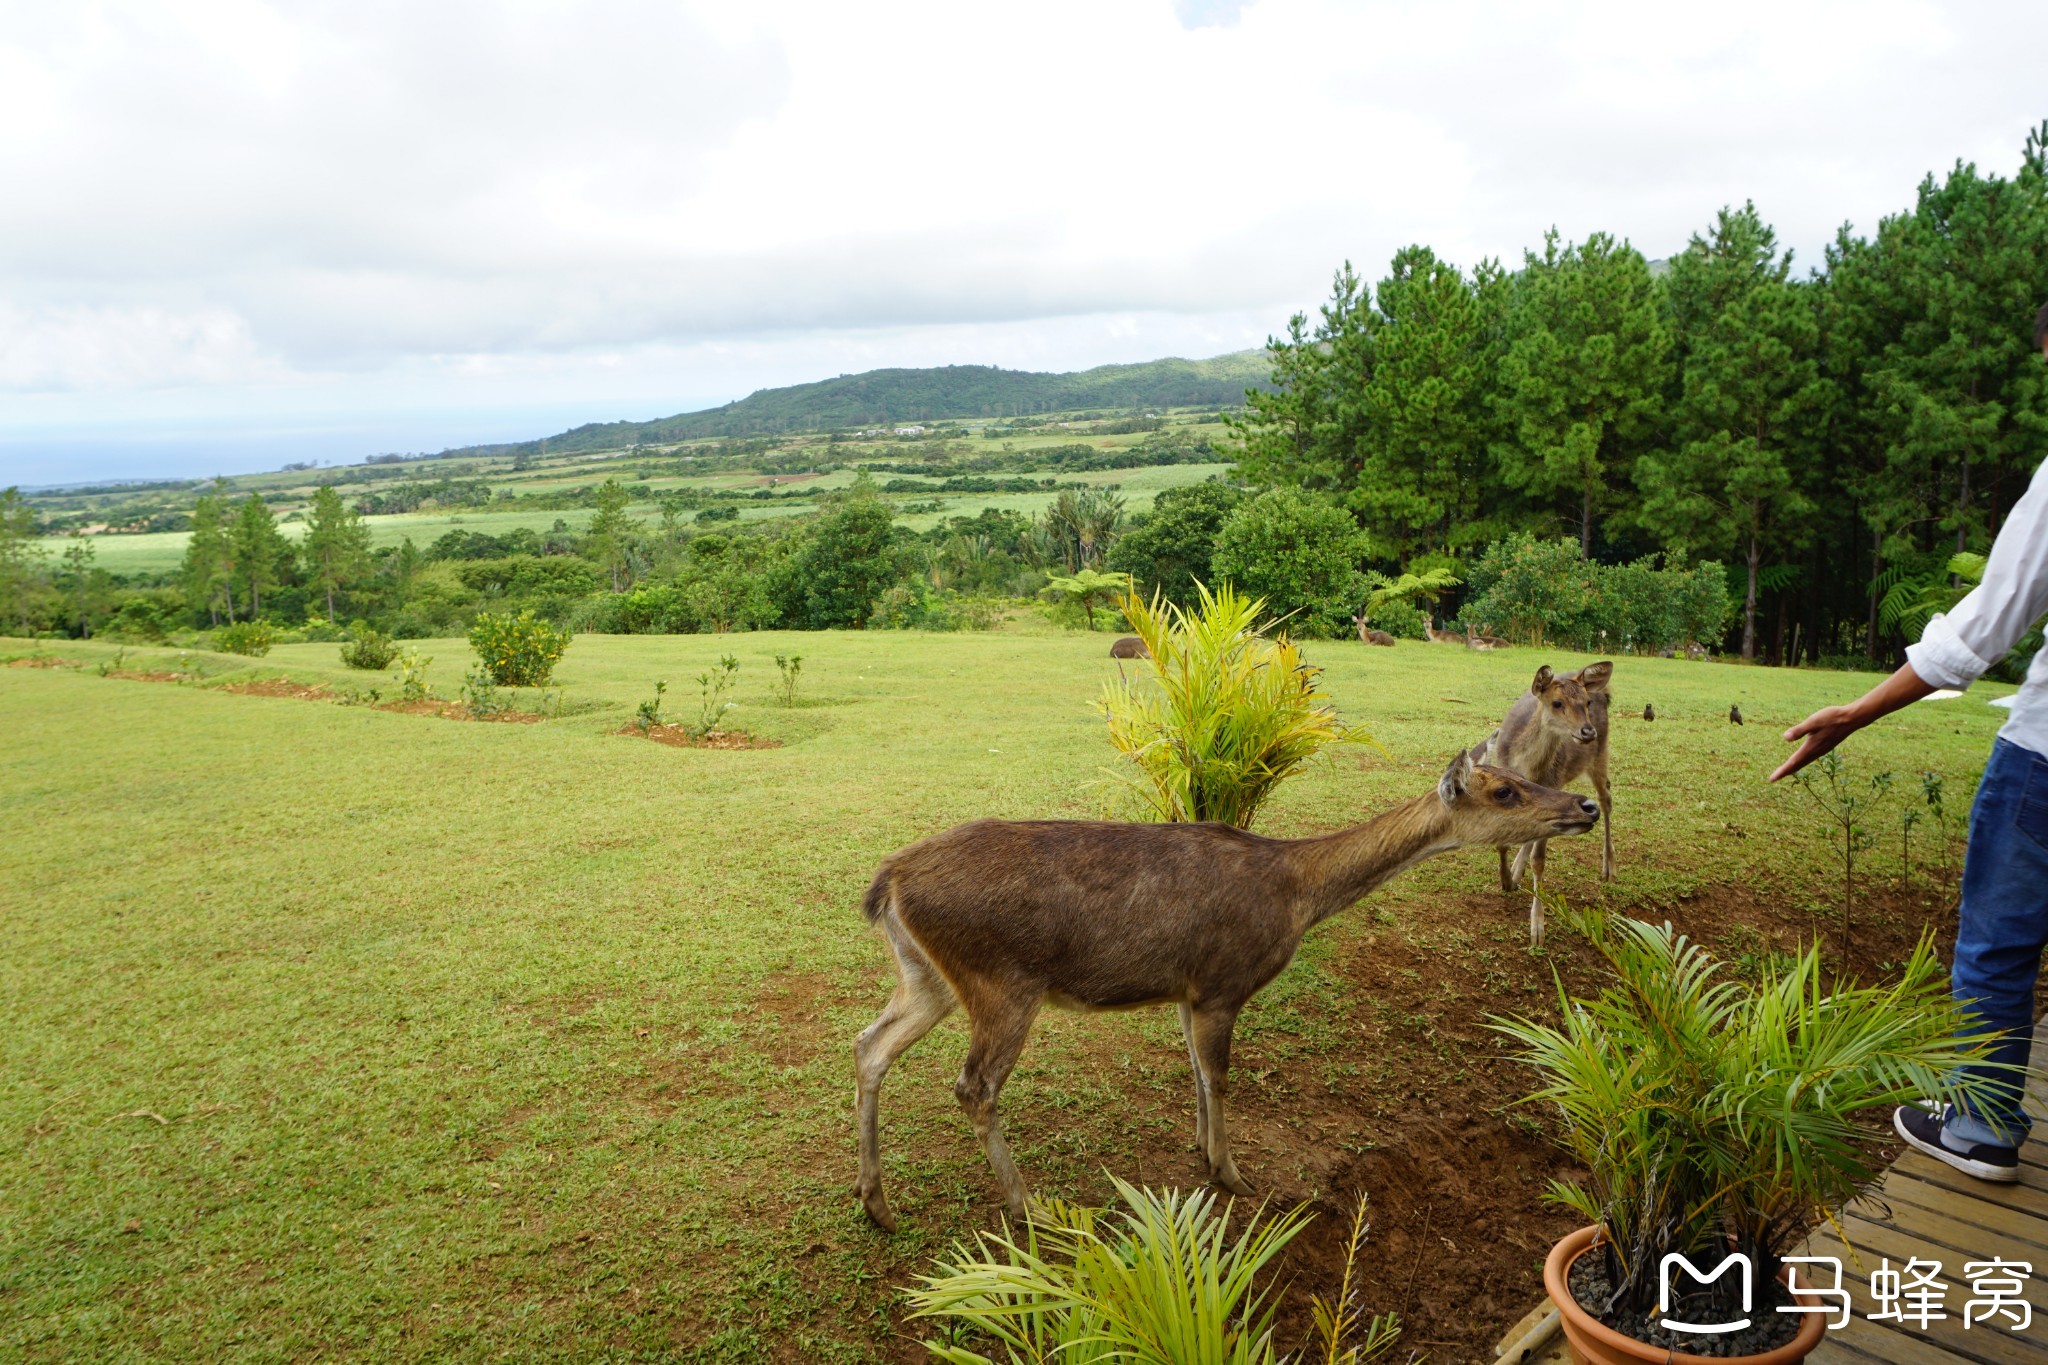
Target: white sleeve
1961,646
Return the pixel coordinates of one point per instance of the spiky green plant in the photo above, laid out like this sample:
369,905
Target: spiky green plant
1708,1111
1157,1282
1225,714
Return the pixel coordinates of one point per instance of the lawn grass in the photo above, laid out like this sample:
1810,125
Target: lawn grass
327,1031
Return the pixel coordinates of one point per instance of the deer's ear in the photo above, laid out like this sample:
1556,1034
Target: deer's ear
1544,677
1456,778
1593,677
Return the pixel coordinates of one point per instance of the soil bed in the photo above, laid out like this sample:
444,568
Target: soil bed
680,737
1768,1328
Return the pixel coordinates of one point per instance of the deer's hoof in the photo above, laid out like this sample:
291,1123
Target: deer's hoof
1230,1180
877,1205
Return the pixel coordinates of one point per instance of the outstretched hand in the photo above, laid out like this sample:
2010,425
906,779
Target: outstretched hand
1818,733
1830,725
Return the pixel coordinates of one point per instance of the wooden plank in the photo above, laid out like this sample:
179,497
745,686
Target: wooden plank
1983,1225
1863,1340
2030,1195
1988,1345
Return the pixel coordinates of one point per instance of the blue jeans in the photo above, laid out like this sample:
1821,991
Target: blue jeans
2003,928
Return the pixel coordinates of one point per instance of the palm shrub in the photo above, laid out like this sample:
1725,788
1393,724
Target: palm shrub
1225,715
517,651
1153,1283
1709,1112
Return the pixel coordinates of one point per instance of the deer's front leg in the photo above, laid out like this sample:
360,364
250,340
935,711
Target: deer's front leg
1507,879
1212,1029
1536,894
1606,798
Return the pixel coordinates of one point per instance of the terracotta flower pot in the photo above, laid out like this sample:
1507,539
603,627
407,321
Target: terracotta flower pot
1594,1343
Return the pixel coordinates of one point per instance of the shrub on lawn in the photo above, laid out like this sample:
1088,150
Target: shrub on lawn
368,649
245,637
517,651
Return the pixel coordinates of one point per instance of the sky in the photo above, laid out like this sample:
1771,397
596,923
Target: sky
242,233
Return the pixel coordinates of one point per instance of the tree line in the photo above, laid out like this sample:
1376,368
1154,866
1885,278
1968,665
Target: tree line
1829,435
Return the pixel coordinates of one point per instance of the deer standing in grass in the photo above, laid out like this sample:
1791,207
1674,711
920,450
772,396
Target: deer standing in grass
1005,916
1555,732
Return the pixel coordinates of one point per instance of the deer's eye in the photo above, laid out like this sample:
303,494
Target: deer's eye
1504,795
1557,706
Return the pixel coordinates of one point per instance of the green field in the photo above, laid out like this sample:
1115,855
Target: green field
160,552
326,1031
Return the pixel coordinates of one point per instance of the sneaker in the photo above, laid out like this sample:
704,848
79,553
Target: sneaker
1924,1132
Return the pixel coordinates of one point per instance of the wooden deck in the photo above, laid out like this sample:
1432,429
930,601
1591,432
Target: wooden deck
1929,1211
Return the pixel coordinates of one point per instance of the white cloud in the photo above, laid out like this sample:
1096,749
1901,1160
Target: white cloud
365,202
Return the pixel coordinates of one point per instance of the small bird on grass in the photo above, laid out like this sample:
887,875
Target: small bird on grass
1735,715
1649,711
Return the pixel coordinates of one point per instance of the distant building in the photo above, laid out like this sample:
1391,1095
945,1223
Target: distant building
910,431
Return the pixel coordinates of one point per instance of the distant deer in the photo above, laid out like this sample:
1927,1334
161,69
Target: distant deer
1555,732
1004,916
1367,635
1129,647
1440,637
1478,639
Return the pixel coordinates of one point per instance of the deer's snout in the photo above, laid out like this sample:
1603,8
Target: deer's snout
1586,734
1590,807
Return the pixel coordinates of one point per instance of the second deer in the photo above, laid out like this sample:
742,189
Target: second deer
1005,916
1555,732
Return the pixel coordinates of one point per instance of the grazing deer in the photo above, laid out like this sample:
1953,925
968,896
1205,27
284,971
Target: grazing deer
1555,732
1440,637
1129,647
1004,916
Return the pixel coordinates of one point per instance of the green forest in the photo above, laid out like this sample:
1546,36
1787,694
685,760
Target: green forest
1714,451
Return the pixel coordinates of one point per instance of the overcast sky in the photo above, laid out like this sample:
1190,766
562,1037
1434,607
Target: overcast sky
240,233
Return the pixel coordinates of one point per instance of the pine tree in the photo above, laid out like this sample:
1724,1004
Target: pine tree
209,558
610,529
336,548
21,560
84,585
1585,378
1306,430
260,551
1425,471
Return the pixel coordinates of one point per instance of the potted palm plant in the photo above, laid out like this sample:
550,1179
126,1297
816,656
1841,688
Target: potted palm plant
1716,1116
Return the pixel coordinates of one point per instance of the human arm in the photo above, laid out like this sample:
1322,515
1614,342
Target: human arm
1830,725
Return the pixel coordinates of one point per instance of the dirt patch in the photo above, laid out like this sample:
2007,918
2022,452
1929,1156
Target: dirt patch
43,661
455,710
279,687
776,480
681,738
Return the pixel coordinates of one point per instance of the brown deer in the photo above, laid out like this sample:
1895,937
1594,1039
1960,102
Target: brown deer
1440,637
1554,732
1004,916
1368,636
1479,639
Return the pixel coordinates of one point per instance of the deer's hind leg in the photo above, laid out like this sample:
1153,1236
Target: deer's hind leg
1535,890
1212,1029
1187,1033
1002,1021
922,998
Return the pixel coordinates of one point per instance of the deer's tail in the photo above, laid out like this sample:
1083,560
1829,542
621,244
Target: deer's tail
876,901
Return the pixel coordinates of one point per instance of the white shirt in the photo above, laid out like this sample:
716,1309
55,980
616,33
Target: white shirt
1958,648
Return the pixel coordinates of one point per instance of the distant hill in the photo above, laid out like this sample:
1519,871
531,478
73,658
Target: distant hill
882,397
